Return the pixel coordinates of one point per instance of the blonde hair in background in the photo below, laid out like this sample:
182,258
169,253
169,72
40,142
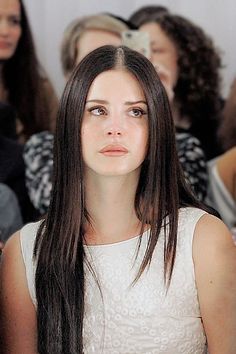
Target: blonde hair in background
72,34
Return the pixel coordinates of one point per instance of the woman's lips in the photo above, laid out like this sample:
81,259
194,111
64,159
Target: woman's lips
5,45
114,150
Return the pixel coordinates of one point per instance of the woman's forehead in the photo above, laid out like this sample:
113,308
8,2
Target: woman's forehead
116,84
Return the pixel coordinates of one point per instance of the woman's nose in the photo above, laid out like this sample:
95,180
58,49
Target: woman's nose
115,126
114,132
4,28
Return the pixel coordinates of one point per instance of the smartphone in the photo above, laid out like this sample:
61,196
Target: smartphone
138,41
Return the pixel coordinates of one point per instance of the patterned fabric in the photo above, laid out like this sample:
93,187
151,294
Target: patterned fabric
143,318
38,157
193,162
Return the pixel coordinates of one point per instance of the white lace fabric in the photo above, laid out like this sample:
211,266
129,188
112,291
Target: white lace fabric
142,318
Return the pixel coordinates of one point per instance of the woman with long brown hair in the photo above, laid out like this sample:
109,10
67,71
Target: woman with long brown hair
23,83
126,259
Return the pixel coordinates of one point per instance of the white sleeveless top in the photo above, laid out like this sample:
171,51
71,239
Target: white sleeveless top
142,318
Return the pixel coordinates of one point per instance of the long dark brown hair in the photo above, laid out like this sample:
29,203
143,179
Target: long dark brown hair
23,79
197,91
161,191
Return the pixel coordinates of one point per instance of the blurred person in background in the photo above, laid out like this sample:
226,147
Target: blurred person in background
23,82
222,186
12,167
10,214
193,63
85,34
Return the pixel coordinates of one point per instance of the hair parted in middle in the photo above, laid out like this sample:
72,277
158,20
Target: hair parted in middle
161,192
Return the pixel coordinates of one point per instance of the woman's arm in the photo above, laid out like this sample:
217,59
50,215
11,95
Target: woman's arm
17,312
214,257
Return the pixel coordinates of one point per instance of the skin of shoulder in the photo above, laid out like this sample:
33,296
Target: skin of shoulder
214,256
17,312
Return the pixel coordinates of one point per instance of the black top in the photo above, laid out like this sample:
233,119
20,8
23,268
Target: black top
12,173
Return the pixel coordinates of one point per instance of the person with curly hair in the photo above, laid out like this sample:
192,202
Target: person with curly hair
23,84
193,64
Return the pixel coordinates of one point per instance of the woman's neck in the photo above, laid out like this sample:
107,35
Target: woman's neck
110,204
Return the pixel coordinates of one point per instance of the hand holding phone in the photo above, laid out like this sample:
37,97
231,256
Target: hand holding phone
138,41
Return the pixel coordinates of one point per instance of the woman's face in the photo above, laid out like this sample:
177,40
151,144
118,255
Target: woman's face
10,27
93,39
163,51
115,125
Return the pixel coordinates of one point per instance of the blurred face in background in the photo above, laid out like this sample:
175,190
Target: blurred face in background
93,39
10,27
163,51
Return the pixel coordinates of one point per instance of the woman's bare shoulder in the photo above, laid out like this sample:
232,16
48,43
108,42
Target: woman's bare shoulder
215,229
212,237
12,264
214,255
17,311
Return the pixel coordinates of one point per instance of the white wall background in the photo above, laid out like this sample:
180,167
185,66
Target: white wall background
49,18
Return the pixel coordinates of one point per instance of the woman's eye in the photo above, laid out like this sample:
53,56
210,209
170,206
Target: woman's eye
15,21
137,112
97,111
157,50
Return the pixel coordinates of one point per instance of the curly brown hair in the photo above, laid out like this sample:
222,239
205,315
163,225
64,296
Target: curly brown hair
197,91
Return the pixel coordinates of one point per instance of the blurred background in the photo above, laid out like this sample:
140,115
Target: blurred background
48,20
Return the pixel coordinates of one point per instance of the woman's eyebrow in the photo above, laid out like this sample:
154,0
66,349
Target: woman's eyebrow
135,102
97,101
128,103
